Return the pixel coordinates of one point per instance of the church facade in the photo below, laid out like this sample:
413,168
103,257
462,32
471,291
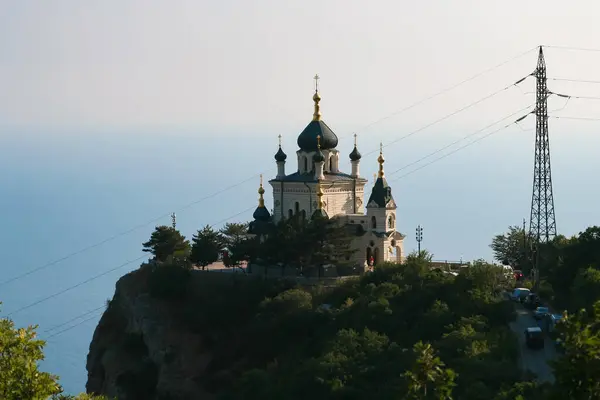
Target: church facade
316,184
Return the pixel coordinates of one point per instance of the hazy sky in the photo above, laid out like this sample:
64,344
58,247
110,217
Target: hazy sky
241,66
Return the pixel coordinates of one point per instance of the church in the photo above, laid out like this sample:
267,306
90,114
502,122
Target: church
317,185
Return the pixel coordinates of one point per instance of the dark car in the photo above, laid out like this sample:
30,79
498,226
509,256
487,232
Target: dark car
532,301
534,338
540,313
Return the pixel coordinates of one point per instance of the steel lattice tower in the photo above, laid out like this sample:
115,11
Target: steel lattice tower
542,223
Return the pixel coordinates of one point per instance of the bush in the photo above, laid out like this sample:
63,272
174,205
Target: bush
169,282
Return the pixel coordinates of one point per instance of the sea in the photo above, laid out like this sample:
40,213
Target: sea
76,205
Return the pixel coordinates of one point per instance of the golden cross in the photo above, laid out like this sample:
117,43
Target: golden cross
316,78
279,140
380,147
260,180
319,142
355,140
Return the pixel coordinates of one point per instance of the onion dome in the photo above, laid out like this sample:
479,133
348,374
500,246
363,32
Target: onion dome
307,139
355,155
280,156
261,213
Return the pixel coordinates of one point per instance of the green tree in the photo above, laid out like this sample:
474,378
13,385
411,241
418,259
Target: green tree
586,288
511,248
236,243
206,246
20,377
428,379
166,241
577,372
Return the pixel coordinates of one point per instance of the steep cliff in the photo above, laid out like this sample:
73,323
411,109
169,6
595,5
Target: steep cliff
175,334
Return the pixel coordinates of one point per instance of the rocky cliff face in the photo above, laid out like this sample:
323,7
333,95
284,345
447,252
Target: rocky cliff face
142,349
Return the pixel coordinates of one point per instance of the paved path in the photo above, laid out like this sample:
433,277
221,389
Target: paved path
533,360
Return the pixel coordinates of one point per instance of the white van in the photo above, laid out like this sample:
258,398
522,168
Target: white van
519,293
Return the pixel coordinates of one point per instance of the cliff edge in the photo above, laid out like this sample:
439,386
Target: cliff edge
172,333
141,348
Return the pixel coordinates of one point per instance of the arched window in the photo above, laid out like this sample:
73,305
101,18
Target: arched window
331,164
373,222
391,221
306,165
303,214
290,213
297,208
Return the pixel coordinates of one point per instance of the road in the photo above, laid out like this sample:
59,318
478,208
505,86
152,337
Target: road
535,361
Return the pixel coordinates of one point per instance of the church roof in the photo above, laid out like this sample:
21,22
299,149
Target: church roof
310,177
307,140
381,193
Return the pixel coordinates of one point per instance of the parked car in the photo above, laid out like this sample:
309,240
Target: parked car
519,293
532,301
540,312
534,338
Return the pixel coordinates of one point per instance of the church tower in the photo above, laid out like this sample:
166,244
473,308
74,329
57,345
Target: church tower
318,160
381,207
262,224
385,243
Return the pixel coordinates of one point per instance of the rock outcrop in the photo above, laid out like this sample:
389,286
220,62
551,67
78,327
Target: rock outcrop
142,350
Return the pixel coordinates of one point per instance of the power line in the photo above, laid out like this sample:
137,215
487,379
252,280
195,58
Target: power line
576,118
571,48
456,150
489,96
74,286
83,250
459,140
568,96
75,318
574,80
143,225
73,326
473,77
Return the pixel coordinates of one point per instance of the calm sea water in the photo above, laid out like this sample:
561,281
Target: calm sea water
61,193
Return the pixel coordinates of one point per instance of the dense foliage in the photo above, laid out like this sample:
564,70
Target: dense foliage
404,332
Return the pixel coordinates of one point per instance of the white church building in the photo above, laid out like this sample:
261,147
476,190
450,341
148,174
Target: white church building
296,191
